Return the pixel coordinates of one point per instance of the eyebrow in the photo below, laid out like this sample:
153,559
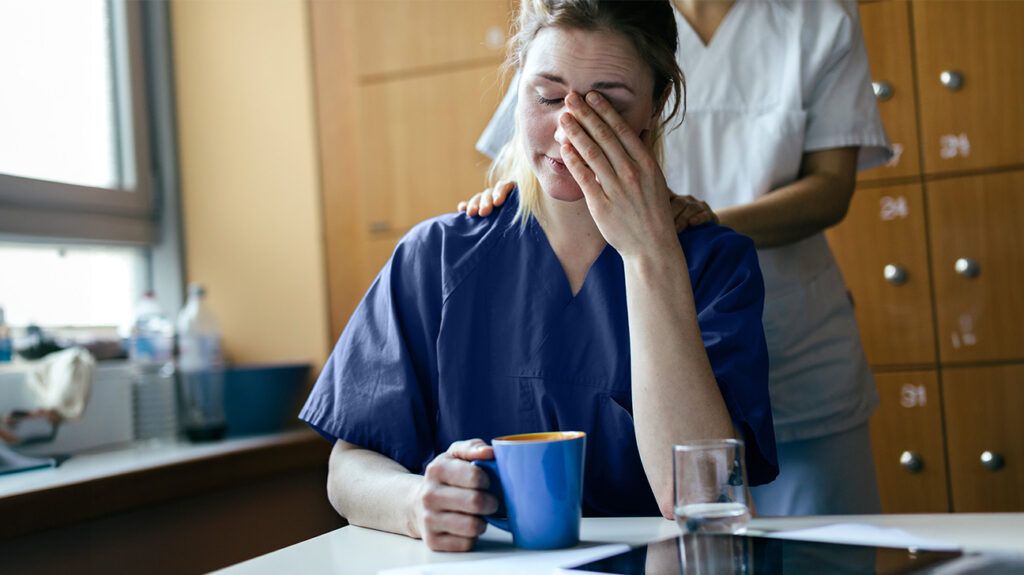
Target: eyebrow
594,86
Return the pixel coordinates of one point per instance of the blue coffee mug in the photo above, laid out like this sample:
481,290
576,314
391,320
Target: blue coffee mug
538,479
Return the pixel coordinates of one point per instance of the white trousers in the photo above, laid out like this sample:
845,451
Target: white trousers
829,475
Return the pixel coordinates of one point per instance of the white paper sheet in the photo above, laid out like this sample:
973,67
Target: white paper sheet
526,564
861,534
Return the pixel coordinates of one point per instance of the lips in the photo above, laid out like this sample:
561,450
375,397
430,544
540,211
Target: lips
557,165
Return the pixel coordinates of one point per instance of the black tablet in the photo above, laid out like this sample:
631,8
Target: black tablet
750,555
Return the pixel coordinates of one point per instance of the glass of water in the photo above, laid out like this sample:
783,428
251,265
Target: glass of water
710,486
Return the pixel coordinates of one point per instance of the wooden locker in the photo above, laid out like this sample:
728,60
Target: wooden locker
970,69
984,437
907,439
977,255
881,248
886,28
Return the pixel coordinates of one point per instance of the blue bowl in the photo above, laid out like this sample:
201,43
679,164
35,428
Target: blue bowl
262,398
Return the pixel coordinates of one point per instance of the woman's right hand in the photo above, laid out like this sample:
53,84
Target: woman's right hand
453,497
483,204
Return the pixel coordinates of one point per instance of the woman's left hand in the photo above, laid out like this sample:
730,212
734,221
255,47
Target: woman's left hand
623,184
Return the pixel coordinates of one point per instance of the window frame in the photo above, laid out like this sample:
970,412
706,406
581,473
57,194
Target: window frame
154,228
127,214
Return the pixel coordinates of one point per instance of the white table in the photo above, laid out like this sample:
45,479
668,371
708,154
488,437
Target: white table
357,550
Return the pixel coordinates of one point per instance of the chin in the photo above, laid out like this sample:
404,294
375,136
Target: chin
564,195
560,189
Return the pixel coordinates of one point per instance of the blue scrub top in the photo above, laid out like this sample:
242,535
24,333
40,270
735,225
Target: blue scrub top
471,330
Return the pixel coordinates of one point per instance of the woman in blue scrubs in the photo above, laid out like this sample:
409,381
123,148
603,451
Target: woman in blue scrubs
578,307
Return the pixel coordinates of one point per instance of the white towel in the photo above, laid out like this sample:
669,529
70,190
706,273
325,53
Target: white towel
62,381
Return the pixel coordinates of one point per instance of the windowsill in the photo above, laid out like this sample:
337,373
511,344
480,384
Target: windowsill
94,484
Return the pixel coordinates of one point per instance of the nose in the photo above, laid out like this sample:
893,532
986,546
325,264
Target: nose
560,136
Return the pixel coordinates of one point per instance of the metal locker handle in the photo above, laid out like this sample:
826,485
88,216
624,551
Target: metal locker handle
883,90
992,460
911,461
895,274
952,80
967,267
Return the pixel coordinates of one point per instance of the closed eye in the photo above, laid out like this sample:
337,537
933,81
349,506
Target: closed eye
549,101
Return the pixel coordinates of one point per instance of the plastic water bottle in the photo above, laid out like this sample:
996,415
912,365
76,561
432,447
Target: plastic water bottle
200,369
151,353
6,344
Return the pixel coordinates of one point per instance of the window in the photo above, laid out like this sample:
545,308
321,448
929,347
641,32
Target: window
69,286
86,151
59,120
74,139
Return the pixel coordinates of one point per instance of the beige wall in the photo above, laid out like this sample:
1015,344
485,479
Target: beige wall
250,190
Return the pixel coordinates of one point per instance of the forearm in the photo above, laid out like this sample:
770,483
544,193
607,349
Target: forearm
371,490
816,201
675,395
790,213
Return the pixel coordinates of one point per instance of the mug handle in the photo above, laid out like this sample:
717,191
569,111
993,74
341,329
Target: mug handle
499,518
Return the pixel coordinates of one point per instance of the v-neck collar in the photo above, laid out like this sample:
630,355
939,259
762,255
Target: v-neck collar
693,39
557,281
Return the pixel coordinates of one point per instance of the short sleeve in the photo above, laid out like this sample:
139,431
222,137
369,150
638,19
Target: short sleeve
840,104
729,297
377,387
500,129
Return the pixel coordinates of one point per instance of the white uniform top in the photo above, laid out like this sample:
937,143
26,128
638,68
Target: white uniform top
778,79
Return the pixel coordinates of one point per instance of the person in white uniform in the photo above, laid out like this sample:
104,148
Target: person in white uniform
779,116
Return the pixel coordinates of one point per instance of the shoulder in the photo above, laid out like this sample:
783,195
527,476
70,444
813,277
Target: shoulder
712,242
453,244
822,12
722,261
457,232
827,26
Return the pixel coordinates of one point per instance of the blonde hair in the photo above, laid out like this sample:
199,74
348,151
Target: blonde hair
649,25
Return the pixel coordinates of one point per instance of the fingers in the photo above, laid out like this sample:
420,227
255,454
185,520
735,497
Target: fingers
450,471
452,499
589,150
473,208
440,497
501,191
689,211
584,176
443,529
458,524
453,467
486,203
447,542
483,203
604,136
470,450
626,138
